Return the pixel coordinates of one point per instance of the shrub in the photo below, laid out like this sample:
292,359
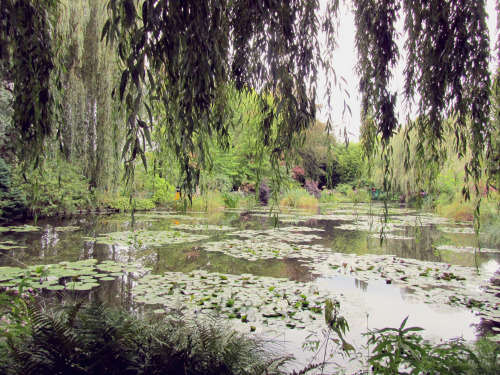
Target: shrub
359,196
123,204
298,174
264,192
312,188
343,189
12,199
58,186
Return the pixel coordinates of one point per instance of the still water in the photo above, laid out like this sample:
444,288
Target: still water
380,268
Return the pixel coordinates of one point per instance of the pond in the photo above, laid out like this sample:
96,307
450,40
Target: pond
270,271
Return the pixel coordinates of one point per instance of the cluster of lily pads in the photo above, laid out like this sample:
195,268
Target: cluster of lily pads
286,234
80,275
436,284
148,238
8,245
253,302
465,249
20,228
201,227
166,216
265,249
458,230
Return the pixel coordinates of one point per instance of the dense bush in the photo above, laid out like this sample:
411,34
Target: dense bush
57,187
264,192
312,188
12,199
123,204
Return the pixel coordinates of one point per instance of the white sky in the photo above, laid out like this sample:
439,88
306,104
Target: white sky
344,64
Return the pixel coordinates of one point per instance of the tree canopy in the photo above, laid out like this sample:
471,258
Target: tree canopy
187,55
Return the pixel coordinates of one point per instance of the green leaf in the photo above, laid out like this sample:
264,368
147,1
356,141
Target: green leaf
105,29
123,83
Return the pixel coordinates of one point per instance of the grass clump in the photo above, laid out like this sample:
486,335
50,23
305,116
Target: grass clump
344,193
210,201
231,199
89,338
299,198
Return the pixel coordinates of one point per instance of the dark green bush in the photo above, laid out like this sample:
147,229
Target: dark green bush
57,187
12,199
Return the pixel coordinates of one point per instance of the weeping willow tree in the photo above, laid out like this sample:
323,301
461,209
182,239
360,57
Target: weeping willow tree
28,63
182,55
446,76
89,136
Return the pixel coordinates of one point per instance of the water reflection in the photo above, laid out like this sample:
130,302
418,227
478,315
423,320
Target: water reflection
376,302
386,305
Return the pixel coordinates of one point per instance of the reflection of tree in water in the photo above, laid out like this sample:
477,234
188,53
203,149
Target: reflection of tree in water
360,284
418,248
343,241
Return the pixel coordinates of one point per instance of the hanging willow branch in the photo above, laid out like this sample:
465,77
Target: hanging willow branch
447,76
184,54
27,61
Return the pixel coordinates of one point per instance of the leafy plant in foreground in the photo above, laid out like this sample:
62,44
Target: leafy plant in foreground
401,349
90,338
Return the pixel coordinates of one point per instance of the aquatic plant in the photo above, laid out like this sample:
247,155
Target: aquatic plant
252,303
148,238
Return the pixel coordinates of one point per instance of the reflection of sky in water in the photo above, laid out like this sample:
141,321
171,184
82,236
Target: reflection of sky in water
387,306
489,267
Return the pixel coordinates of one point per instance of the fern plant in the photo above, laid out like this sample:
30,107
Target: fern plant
90,338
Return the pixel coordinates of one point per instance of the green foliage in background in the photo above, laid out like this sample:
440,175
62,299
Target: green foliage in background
57,187
125,204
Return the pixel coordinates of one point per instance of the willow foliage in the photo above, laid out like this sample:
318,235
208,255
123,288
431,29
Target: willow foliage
28,59
186,54
447,77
